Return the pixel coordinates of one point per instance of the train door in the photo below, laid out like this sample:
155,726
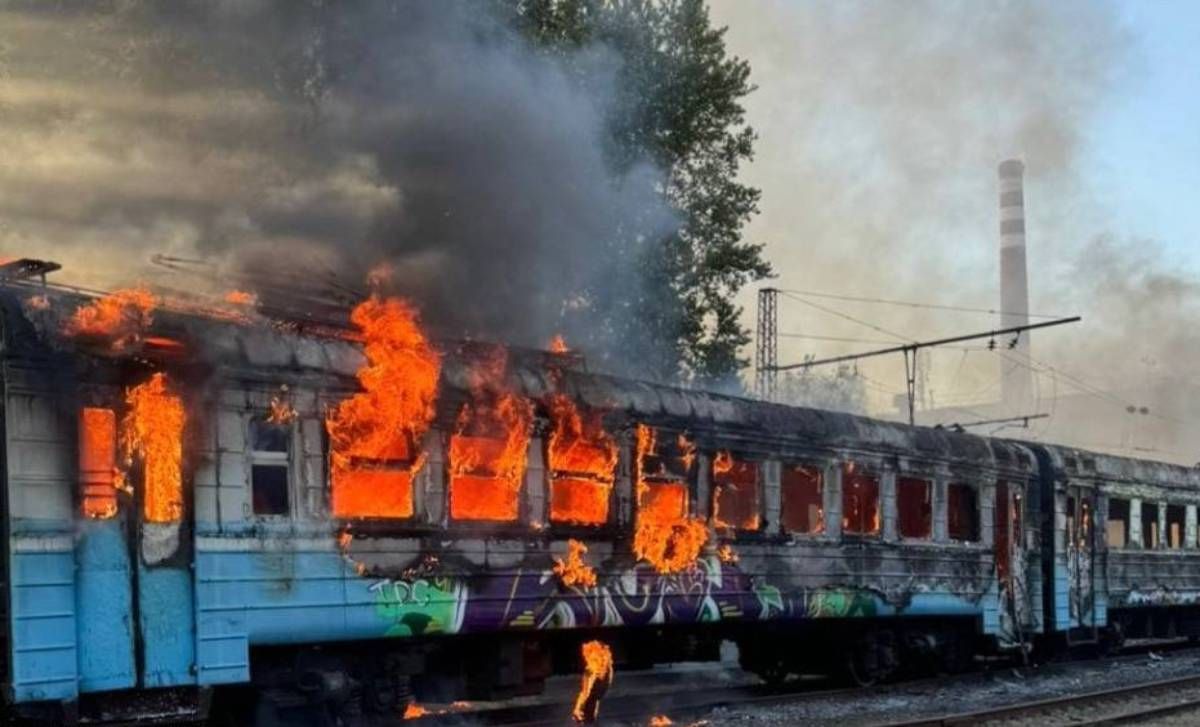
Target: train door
1080,551
1011,562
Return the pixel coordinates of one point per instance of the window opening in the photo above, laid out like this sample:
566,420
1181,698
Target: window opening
860,501
1149,525
270,457
914,505
1117,528
735,492
802,491
1175,519
962,513
98,462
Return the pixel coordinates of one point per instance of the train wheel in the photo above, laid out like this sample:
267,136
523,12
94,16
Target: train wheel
872,659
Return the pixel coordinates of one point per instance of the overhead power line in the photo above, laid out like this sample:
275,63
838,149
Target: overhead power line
910,350
908,304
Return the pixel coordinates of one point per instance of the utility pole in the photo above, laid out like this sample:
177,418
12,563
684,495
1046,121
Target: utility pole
910,353
766,345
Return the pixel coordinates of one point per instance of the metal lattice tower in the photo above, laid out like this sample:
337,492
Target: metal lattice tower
766,344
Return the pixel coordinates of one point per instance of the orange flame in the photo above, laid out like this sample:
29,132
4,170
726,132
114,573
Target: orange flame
558,344
241,297
574,571
97,462
660,720
118,318
687,451
597,678
664,535
727,554
488,447
153,429
282,411
375,435
582,461
722,463
414,710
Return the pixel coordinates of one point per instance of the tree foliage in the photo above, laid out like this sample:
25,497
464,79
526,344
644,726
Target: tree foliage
678,103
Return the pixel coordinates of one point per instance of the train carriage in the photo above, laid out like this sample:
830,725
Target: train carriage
812,539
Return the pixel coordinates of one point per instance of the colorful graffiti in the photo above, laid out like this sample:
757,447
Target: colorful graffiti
640,596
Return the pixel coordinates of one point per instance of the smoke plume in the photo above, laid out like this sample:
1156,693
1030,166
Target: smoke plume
291,139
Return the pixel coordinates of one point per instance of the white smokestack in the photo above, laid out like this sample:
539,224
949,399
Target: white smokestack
1017,379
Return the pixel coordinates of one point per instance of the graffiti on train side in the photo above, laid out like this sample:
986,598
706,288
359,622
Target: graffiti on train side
536,599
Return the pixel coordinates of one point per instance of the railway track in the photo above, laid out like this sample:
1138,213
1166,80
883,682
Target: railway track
1124,705
683,704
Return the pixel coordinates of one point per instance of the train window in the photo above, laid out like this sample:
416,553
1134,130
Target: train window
860,501
735,492
1175,519
97,462
962,513
581,458
270,448
1117,528
803,500
1149,525
914,505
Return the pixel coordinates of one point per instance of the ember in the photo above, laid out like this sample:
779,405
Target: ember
664,535
153,429
97,462
488,447
597,678
282,411
582,460
375,435
574,571
414,710
118,318
660,720
241,297
558,344
727,554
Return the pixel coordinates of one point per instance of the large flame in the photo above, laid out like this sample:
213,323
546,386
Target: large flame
597,678
582,459
664,535
97,461
119,318
574,571
489,445
375,435
153,429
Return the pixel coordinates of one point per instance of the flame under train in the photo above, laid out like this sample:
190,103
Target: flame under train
194,502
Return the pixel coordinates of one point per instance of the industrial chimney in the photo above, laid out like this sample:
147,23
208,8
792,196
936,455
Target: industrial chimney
1016,379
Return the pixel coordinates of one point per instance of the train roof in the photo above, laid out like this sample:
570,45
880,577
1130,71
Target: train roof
269,352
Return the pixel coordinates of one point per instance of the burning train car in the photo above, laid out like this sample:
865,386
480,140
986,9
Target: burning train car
197,501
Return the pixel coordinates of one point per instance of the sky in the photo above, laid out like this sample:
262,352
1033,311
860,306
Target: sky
880,126
1144,150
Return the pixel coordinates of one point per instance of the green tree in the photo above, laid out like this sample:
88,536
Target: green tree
679,104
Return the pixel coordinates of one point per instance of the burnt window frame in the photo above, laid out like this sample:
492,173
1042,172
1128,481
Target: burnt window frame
270,458
823,470
875,473
931,487
1181,509
760,468
1128,520
1151,538
690,479
976,490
